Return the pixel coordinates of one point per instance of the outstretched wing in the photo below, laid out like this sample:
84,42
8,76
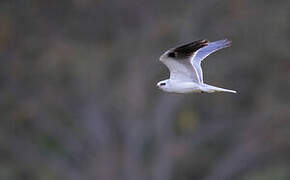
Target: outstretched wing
178,60
205,51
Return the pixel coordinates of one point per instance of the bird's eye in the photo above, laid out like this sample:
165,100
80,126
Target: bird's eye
162,84
172,54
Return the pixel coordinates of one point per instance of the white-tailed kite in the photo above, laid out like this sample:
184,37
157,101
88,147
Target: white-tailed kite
184,64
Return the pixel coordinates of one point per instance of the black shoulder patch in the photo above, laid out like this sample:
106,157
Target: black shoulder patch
172,54
187,50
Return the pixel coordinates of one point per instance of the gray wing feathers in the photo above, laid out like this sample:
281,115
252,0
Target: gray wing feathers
210,48
182,71
203,52
184,61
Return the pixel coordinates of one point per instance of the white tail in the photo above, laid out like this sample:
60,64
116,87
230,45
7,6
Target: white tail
211,89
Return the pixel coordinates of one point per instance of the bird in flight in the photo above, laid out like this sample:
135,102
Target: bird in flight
184,64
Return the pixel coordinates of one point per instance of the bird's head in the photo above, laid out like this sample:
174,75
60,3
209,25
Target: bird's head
163,85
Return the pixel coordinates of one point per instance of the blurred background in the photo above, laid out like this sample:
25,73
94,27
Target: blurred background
78,96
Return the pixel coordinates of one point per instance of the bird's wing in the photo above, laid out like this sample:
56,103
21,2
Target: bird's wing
178,60
203,52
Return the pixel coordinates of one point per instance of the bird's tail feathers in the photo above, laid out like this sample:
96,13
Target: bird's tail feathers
211,89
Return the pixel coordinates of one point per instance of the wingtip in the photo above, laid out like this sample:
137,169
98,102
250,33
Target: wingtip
227,42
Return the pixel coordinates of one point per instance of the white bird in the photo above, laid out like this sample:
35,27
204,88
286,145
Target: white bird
184,64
